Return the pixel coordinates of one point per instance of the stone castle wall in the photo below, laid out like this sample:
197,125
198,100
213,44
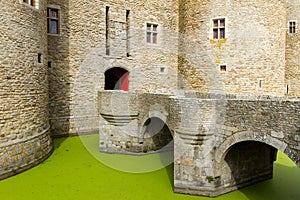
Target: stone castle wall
292,74
24,125
59,72
79,60
186,55
253,48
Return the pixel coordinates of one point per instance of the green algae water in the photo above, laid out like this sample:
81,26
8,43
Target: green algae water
72,172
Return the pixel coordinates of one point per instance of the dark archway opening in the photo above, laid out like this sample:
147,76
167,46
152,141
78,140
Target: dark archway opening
116,79
156,135
249,162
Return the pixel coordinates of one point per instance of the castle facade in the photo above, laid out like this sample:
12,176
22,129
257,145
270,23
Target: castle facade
57,54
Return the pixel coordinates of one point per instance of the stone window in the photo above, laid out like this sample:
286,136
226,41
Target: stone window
53,20
219,28
260,83
39,58
292,27
223,68
30,2
107,32
127,32
152,31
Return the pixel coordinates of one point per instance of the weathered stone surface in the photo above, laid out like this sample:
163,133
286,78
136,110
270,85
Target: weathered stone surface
24,123
221,142
292,71
261,58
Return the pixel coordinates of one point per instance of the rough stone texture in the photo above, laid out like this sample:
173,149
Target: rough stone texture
59,72
218,139
256,50
24,123
253,51
79,56
123,128
292,51
253,48
24,153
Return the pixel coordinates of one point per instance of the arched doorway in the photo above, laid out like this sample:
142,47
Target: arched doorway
116,78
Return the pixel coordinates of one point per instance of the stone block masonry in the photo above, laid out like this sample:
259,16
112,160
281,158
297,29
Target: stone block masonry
79,57
258,56
292,74
24,116
221,142
22,154
239,47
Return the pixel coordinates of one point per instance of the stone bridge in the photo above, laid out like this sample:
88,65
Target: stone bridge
221,142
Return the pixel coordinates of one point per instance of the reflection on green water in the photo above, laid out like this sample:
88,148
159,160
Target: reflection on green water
73,173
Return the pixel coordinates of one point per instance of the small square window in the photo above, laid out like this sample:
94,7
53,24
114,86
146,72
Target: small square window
223,68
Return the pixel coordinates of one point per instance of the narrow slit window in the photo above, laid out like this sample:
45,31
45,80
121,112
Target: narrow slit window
107,38
53,21
152,33
218,28
39,58
260,82
127,32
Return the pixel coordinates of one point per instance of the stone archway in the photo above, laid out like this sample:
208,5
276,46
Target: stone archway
116,78
246,158
224,147
246,163
156,134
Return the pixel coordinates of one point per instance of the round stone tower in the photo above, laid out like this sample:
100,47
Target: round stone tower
240,45
292,72
24,125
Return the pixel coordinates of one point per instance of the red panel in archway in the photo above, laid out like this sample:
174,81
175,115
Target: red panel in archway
125,82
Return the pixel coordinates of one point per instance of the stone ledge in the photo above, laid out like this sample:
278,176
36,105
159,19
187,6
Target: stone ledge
19,156
17,141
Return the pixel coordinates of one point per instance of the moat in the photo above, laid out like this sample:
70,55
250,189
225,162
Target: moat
72,173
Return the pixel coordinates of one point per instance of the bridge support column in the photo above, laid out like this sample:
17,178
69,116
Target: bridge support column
194,171
194,140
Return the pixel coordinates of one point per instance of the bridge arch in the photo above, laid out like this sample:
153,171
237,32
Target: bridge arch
246,163
223,149
156,133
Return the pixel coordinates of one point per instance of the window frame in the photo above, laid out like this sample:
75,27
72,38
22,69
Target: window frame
292,27
223,68
151,32
51,19
219,28
30,3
